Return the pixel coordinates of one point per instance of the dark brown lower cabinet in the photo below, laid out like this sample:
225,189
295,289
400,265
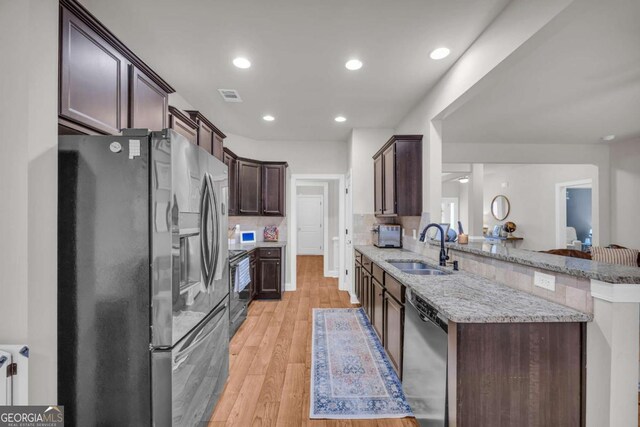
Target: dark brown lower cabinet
377,300
516,374
365,283
269,273
394,331
356,281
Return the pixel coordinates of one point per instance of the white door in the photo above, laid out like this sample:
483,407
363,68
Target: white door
310,212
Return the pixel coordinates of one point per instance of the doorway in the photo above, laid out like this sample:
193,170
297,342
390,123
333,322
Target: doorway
312,217
574,215
304,234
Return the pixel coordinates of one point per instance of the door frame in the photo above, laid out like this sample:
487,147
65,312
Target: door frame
325,220
561,210
296,179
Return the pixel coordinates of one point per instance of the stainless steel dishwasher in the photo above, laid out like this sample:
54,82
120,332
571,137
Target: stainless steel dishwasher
425,362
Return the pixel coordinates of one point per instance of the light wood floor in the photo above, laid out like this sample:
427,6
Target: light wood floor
268,383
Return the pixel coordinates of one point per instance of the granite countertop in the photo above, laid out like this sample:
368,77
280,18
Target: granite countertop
466,298
604,272
251,246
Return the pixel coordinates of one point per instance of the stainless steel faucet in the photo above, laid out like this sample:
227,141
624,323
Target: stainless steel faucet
443,253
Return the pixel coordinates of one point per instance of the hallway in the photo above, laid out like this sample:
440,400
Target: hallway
269,378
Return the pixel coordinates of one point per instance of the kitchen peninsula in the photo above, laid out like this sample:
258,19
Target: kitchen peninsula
513,358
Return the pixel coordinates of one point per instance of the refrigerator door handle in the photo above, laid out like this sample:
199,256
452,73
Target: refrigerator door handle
205,250
216,231
199,339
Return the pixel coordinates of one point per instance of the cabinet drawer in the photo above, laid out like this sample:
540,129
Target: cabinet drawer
366,263
378,273
269,253
358,257
395,288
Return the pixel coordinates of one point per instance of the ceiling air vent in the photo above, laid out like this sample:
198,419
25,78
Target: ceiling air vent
230,95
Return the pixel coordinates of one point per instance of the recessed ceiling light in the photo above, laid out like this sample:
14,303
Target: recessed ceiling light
340,119
463,180
439,53
608,138
242,62
268,118
353,64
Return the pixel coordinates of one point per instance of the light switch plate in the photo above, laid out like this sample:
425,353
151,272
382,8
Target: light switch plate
545,281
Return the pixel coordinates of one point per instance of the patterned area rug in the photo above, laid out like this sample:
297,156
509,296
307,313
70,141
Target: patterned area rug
351,376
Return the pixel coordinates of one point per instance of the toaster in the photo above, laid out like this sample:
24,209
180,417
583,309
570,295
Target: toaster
387,236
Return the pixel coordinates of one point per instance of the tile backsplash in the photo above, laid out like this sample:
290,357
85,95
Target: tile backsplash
258,223
362,224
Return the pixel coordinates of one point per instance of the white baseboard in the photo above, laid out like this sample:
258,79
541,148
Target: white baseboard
332,273
354,299
289,287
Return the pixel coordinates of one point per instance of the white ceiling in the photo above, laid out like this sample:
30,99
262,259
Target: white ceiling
578,80
298,49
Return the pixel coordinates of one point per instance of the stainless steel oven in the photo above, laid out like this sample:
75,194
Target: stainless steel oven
424,376
240,297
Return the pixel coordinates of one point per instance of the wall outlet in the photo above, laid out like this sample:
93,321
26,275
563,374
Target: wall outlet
545,281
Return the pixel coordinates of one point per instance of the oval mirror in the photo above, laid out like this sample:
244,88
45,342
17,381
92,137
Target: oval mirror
500,207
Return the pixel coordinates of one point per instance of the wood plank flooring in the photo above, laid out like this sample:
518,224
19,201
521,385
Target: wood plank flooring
269,379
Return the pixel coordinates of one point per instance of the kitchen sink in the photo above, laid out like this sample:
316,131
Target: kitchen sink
418,268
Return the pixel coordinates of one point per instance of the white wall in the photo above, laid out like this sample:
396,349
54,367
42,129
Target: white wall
507,33
625,193
531,190
309,157
28,187
363,144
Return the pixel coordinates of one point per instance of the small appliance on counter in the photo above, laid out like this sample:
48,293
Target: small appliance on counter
387,235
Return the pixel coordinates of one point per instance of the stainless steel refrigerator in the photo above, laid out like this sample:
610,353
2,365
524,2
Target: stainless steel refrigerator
143,280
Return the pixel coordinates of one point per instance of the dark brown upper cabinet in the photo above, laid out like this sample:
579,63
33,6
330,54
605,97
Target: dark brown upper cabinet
182,123
389,178
104,87
218,144
209,137
93,78
398,177
149,102
249,187
255,188
377,185
232,164
273,189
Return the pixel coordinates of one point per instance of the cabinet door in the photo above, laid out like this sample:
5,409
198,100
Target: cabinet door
269,278
232,164
377,299
93,78
184,129
394,331
148,103
365,285
378,185
249,188
205,137
218,147
273,189
389,160
356,282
